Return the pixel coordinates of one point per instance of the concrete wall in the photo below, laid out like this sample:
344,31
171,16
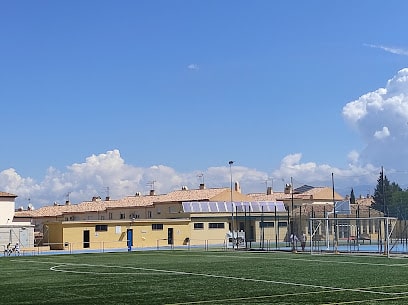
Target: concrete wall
22,234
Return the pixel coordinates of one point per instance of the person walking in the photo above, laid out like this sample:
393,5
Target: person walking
293,240
303,239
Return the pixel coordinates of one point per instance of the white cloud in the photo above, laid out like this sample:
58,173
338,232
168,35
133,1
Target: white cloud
382,134
193,67
353,156
320,174
393,50
380,118
92,177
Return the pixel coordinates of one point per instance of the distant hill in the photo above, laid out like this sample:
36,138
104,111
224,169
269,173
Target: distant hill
359,190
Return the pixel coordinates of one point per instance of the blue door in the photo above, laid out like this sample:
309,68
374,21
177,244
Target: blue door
129,239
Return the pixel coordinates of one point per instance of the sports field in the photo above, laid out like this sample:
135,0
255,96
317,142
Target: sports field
195,277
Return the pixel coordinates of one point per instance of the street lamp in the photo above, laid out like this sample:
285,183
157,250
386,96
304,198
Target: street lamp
230,164
232,205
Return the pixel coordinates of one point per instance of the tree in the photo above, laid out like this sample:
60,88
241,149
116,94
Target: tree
352,197
383,196
381,193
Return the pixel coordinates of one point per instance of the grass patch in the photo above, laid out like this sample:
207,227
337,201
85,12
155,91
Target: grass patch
193,277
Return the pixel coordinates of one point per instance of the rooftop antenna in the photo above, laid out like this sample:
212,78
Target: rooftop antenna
151,184
107,192
267,180
67,195
201,177
152,191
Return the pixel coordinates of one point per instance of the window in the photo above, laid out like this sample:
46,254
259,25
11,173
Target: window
157,226
282,224
198,225
173,209
216,225
266,224
110,215
149,214
101,228
122,216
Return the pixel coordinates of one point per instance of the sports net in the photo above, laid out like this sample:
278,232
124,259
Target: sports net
354,235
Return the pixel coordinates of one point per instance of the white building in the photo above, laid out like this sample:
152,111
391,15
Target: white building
13,232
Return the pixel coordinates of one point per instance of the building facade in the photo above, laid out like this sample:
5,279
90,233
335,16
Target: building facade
12,232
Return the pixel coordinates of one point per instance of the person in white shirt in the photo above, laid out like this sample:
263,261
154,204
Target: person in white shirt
303,240
17,249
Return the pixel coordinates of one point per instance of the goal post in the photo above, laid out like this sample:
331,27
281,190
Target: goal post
351,235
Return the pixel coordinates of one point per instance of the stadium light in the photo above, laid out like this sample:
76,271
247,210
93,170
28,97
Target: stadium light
232,205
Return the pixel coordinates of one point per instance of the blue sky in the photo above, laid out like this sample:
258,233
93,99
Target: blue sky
99,94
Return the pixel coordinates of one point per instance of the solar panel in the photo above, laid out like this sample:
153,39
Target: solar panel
238,206
222,206
302,189
204,206
213,206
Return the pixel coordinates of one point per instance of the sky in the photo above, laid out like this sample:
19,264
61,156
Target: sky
112,98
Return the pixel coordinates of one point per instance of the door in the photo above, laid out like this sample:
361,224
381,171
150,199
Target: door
129,234
86,239
170,236
23,239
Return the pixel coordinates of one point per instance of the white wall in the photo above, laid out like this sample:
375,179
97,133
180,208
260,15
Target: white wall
7,207
24,235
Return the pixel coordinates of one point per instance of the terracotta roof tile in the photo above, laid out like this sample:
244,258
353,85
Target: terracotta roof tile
130,201
4,194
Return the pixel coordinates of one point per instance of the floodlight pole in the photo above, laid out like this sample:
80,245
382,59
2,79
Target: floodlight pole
292,224
291,210
336,229
232,205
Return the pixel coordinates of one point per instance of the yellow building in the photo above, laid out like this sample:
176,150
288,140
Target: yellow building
111,234
180,218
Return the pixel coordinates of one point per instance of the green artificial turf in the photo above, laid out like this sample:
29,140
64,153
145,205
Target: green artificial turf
193,277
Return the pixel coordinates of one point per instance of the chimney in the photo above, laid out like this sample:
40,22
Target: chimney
184,188
288,188
137,194
269,190
202,186
107,198
67,202
237,187
152,193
